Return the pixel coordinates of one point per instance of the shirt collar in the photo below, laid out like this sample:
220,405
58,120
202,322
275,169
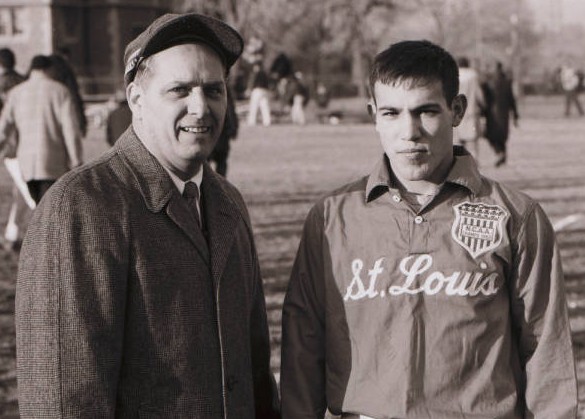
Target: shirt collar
464,172
180,184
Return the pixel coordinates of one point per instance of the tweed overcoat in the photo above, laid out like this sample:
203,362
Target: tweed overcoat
125,310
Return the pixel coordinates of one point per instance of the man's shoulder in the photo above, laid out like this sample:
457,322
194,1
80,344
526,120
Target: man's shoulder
102,179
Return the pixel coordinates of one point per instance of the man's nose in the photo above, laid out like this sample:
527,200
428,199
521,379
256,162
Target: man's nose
411,127
196,102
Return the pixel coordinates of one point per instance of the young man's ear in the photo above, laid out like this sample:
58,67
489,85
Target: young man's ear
371,106
458,107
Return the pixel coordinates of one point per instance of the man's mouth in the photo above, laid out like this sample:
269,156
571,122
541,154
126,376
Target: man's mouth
413,151
195,129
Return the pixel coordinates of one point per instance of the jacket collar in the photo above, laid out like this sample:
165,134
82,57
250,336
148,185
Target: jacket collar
464,172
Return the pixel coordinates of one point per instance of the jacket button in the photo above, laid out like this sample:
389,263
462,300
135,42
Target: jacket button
396,198
418,219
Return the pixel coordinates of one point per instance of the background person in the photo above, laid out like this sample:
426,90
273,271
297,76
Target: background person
62,71
139,292
426,289
259,87
298,92
221,151
500,105
571,82
19,210
469,130
119,117
41,112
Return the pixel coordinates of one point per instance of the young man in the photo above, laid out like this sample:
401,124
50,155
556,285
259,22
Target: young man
426,290
137,295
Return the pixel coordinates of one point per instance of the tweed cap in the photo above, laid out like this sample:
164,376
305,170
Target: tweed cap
174,29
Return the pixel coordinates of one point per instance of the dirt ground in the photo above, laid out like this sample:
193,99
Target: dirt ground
281,170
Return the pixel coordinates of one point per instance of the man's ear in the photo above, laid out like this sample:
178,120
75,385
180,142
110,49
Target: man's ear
371,106
458,107
134,95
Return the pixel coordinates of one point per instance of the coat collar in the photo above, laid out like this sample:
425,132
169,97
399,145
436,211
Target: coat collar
220,212
153,182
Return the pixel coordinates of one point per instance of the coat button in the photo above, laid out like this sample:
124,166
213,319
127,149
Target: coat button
418,219
396,198
231,382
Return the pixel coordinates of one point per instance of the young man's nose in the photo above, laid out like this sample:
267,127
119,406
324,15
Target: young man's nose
410,129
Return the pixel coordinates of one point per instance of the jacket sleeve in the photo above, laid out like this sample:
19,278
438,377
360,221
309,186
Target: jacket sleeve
71,130
541,321
303,328
7,127
70,305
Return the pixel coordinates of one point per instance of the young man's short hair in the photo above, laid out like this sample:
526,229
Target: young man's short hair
417,62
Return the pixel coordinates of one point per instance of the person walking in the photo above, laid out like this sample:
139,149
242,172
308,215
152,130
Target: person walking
501,103
426,290
139,291
231,126
62,71
41,113
571,82
259,88
469,130
299,97
19,210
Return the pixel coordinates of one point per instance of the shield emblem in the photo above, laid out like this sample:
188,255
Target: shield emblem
478,227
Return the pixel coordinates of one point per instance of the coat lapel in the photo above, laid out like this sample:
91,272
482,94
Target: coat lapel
222,217
158,190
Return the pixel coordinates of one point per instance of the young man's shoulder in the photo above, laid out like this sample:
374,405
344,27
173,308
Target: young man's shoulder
517,202
350,193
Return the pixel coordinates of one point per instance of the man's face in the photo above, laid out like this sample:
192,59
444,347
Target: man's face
179,105
415,125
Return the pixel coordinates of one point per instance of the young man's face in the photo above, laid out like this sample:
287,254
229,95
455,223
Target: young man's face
179,106
415,125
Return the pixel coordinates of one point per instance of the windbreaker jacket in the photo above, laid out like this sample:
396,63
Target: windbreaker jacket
124,311
457,311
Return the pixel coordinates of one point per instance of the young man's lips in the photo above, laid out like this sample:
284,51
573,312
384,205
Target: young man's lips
413,151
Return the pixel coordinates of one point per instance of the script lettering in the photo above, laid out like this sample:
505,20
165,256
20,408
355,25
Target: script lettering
356,289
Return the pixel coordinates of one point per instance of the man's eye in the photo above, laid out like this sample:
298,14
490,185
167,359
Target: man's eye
214,91
389,113
429,112
179,90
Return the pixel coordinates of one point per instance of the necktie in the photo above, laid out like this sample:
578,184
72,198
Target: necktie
191,194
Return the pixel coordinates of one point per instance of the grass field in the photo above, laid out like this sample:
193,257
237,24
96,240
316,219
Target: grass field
281,170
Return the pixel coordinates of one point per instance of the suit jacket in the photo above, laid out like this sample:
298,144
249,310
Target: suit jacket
41,111
124,310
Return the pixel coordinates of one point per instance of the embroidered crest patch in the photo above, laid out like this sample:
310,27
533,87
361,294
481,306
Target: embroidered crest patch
478,227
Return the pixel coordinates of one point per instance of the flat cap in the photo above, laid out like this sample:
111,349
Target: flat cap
174,29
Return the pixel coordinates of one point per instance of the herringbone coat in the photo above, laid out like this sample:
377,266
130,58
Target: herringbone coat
124,310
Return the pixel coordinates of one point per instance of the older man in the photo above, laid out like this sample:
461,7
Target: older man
139,292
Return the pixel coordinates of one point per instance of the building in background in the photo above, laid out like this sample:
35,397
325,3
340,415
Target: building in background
91,33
